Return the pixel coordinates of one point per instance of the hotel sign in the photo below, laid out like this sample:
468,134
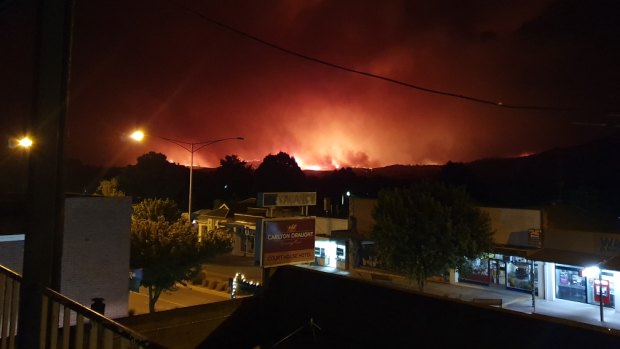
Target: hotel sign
289,241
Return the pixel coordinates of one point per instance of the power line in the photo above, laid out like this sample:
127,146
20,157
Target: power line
371,75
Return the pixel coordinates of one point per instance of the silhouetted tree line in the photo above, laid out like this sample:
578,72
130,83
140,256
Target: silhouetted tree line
153,176
584,176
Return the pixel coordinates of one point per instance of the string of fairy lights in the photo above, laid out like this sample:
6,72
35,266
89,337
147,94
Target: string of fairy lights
238,281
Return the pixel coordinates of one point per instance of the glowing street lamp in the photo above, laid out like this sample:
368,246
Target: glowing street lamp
191,147
137,136
24,142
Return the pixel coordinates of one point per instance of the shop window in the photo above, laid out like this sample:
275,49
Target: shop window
340,253
250,244
570,285
368,256
476,270
518,273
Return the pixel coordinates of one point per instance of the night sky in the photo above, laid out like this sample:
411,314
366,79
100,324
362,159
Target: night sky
166,67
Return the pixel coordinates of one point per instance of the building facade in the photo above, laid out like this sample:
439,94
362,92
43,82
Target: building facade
245,220
516,234
209,220
531,253
580,265
95,252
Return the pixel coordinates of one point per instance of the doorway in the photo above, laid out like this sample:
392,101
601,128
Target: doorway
497,272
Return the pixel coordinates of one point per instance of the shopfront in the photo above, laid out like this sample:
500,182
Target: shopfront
498,270
580,266
574,283
330,253
243,239
475,271
516,232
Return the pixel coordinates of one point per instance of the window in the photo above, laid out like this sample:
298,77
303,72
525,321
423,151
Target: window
340,252
569,284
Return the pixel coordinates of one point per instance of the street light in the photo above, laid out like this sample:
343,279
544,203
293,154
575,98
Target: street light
191,147
24,142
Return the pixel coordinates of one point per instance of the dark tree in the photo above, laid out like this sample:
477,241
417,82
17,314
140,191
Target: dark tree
427,228
154,176
233,179
84,179
279,172
456,173
166,248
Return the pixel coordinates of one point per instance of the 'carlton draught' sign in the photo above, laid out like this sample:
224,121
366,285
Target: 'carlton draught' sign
288,241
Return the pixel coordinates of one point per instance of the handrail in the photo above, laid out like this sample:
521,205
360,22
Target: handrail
8,317
10,273
109,324
10,282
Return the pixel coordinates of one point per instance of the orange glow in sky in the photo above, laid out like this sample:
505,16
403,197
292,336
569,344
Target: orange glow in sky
202,82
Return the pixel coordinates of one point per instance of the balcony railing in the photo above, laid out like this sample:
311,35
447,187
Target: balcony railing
9,307
64,323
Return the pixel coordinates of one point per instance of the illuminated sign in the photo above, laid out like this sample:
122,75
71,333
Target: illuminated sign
289,241
287,199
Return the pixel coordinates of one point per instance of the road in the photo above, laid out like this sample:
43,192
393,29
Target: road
183,296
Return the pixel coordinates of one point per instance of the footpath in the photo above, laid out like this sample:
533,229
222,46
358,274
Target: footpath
512,300
225,267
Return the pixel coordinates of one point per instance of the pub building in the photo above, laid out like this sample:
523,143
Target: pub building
245,220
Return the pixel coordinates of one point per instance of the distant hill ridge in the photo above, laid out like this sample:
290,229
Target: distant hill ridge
595,155
585,176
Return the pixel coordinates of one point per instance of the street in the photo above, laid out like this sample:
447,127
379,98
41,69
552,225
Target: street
183,296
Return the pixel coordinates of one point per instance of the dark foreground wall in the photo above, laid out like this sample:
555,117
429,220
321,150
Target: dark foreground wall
182,328
353,313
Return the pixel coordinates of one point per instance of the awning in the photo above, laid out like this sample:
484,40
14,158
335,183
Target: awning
566,257
346,234
512,251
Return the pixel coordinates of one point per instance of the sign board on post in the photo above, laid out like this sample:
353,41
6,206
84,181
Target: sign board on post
284,199
287,241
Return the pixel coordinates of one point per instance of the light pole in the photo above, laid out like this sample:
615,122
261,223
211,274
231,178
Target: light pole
594,272
191,147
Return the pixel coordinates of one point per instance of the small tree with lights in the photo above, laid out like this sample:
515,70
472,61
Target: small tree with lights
427,228
167,249
109,188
